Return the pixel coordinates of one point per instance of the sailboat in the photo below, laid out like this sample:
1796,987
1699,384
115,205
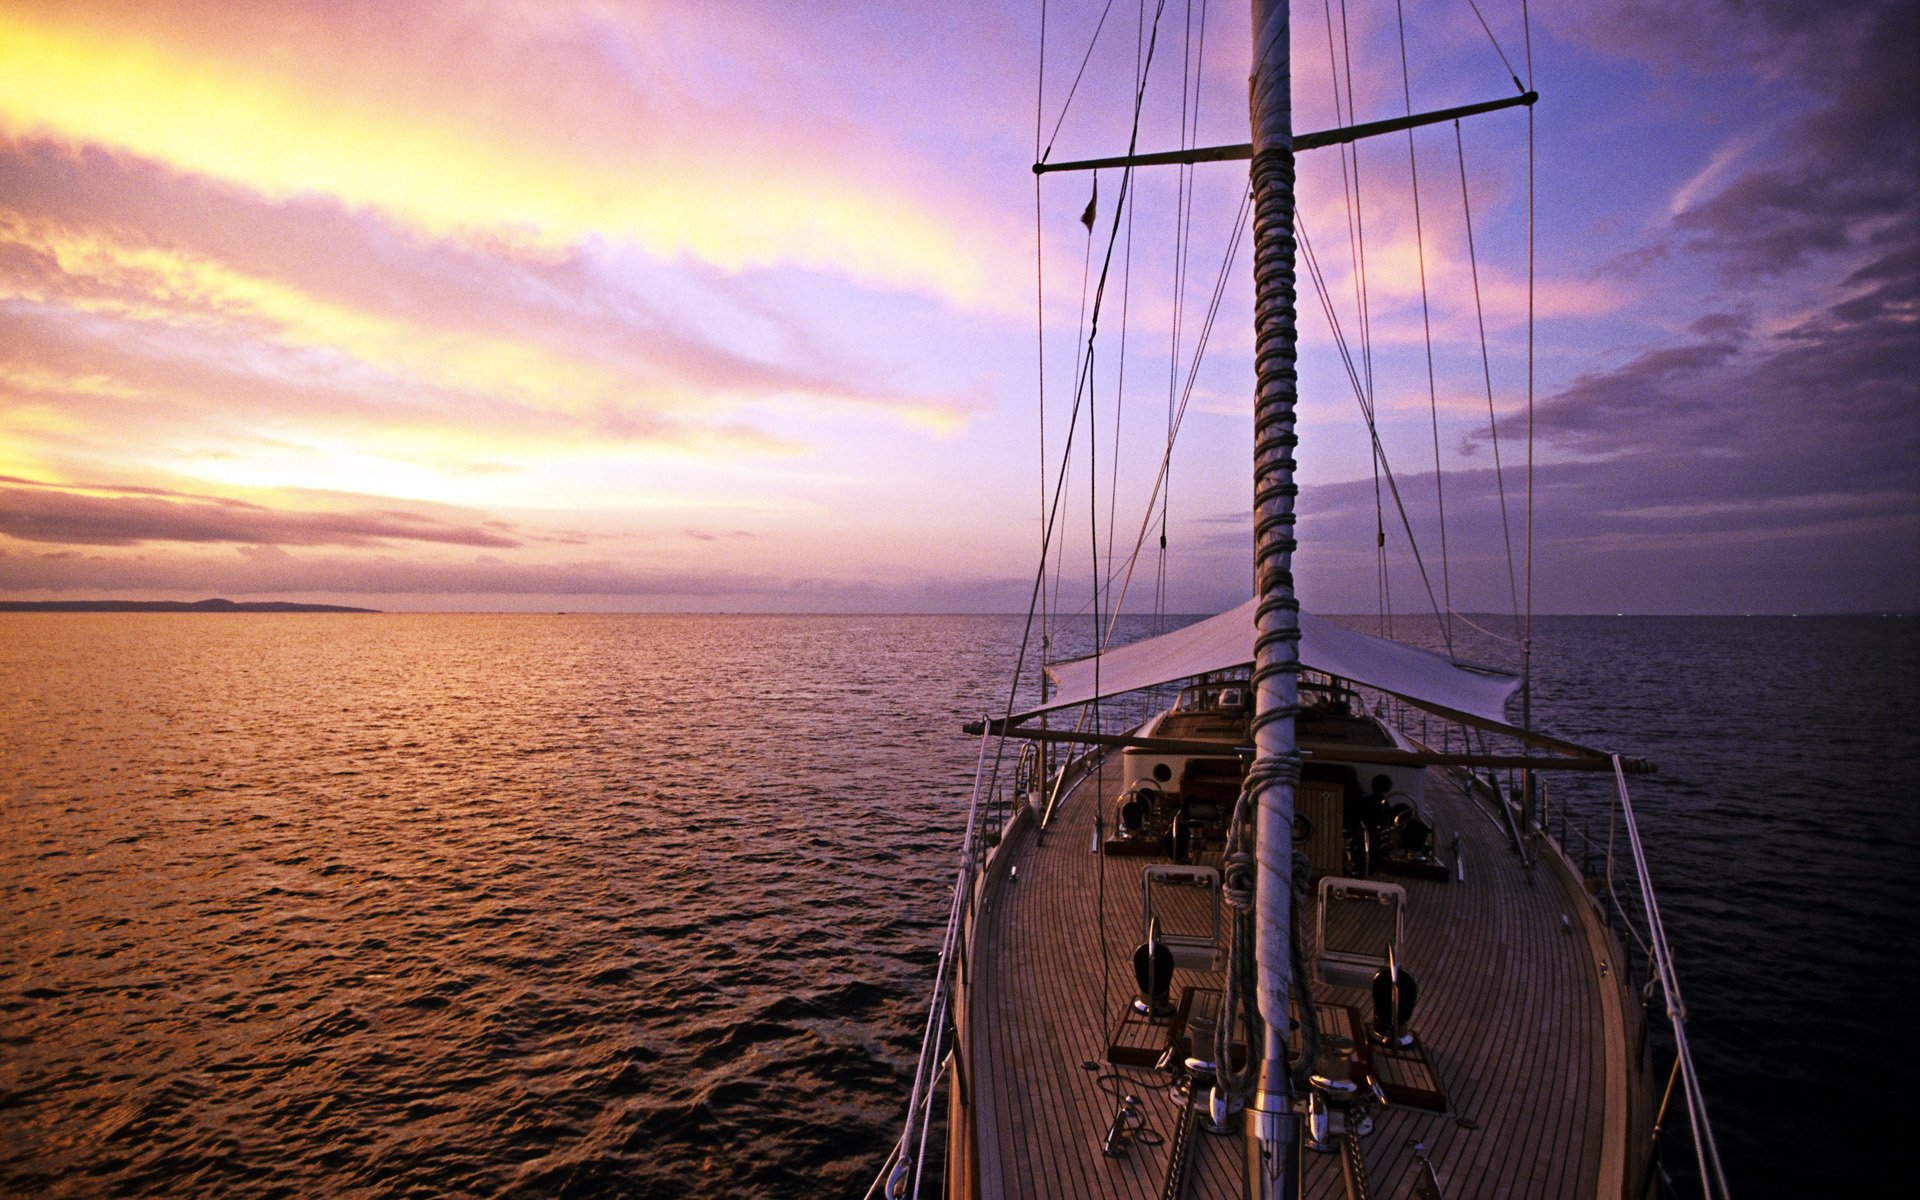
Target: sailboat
1306,930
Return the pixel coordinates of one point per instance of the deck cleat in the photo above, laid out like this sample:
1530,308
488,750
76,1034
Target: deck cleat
1119,1133
1153,971
1319,1127
1221,1105
1394,993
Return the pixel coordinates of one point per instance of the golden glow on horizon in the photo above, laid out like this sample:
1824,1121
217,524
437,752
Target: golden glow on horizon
674,295
147,283
447,175
24,429
427,463
594,404
1393,291
28,380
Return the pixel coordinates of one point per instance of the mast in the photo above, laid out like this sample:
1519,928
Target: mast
1276,672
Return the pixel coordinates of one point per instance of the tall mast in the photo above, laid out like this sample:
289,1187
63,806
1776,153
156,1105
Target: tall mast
1276,671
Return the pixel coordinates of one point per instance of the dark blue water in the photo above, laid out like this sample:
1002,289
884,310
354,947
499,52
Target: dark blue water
1783,831
594,905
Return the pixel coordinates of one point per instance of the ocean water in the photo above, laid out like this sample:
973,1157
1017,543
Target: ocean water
294,905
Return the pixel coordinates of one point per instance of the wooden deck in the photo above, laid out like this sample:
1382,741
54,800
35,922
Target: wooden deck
1519,1012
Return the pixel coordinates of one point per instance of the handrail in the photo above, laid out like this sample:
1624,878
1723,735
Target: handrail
926,1071
1617,904
909,1151
929,1067
1513,829
1713,1177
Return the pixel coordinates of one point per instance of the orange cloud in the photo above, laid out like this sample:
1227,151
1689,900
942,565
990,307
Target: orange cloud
428,154
408,398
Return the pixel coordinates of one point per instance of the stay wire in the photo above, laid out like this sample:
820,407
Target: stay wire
1037,598
1497,49
1037,594
1067,104
1186,394
1486,371
1182,247
1193,55
1126,179
1099,810
1445,615
1359,215
1086,389
1526,626
1324,294
1357,250
1366,405
1113,492
1040,345
1082,370
1040,88
1126,295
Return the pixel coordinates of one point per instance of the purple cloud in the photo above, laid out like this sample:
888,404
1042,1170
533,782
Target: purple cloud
41,513
567,304
384,580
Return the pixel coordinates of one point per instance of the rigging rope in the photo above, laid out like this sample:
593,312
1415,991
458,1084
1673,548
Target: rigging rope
1120,382
1357,251
1083,388
1486,369
1068,102
1193,59
1040,345
1426,324
1186,393
1366,405
1036,599
1511,74
1526,625
1470,623
1099,810
1113,493
1082,370
1099,294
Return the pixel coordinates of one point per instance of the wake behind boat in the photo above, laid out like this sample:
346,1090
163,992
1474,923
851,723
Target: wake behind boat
1304,927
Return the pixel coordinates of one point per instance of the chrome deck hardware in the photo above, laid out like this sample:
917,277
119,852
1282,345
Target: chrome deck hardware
1153,971
1329,1107
1119,1130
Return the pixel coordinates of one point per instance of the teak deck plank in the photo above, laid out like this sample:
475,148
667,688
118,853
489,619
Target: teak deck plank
1510,1014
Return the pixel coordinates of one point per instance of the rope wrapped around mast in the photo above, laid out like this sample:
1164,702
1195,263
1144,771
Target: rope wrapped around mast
1276,674
1275,772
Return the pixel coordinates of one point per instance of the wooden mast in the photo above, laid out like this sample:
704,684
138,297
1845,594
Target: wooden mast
1276,671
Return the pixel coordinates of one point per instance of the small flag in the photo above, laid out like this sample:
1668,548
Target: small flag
1093,205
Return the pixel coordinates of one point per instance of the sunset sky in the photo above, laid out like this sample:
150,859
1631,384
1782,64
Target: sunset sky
731,305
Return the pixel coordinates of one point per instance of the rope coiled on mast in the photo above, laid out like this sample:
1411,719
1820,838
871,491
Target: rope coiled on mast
1258,990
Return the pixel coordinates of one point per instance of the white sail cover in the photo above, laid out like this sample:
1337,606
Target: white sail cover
1224,642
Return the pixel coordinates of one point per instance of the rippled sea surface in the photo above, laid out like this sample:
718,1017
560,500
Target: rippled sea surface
598,905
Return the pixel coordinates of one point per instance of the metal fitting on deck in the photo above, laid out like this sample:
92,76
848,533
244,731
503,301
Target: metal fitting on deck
1114,1145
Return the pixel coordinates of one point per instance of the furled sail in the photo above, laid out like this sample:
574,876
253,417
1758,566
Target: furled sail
1225,642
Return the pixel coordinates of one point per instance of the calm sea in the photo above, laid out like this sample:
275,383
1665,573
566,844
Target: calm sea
594,905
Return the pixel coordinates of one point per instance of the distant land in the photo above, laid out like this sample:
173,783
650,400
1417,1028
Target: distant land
197,606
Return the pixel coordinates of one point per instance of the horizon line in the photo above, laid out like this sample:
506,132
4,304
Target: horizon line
216,603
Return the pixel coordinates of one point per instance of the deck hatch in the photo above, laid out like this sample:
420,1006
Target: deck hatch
1356,920
1187,902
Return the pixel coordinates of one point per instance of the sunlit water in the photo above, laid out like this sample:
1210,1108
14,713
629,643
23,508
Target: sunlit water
592,905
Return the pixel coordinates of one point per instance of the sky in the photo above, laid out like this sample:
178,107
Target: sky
743,306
